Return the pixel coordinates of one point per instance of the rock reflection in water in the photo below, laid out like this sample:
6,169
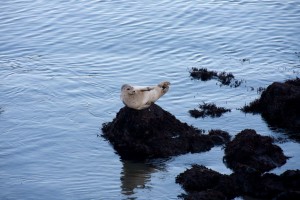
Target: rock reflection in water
135,175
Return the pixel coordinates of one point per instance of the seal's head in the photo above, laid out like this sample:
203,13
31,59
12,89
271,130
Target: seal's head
127,89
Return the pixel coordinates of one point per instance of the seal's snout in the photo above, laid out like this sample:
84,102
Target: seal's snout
131,92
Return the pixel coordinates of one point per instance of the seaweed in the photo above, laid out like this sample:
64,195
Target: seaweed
203,74
208,109
254,107
223,77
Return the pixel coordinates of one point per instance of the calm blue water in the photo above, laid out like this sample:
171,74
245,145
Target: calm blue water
62,64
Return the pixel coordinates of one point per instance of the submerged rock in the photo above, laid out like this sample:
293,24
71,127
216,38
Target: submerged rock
153,133
250,152
279,105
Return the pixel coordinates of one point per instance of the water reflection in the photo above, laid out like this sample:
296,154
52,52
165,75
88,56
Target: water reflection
136,174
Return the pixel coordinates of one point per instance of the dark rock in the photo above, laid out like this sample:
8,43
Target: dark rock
291,179
279,105
254,107
201,182
269,185
250,152
198,178
219,137
256,185
153,133
249,155
205,195
288,195
201,179
208,109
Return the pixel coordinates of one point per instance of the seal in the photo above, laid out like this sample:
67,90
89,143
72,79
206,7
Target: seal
141,97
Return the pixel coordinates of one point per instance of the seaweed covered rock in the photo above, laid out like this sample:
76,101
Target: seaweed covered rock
249,155
219,137
279,104
250,152
202,183
268,185
200,180
153,133
204,195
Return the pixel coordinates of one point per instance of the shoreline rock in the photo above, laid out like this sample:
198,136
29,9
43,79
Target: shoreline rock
155,133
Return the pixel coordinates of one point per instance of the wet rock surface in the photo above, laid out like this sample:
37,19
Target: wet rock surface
249,155
204,195
200,180
219,137
154,133
279,105
268,186
202,183
251,152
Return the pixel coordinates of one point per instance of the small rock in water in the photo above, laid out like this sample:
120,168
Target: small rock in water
206,184
251,152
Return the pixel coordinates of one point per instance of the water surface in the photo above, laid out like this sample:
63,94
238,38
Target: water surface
62,64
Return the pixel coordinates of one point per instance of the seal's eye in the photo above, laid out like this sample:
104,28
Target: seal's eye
128,88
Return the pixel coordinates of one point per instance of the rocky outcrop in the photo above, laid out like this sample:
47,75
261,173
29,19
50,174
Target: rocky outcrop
279,105
251,152
249,155
203,183
154,133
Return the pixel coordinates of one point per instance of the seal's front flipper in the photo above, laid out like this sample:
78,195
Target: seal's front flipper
143,89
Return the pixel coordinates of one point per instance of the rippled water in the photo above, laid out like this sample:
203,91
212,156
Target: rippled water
62,64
